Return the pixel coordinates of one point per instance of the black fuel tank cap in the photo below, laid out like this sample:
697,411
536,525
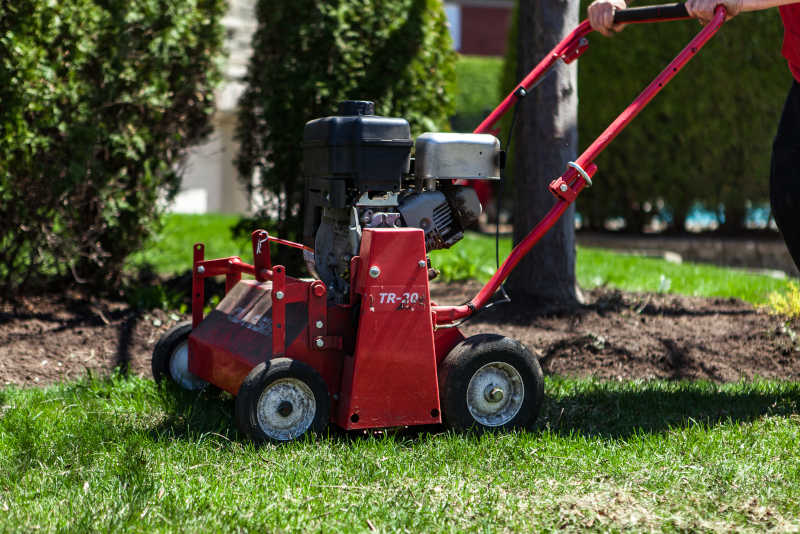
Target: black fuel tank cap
356,107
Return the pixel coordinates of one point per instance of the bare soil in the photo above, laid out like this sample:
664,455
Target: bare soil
616,335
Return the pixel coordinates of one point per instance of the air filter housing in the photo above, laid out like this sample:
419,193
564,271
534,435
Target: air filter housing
355,152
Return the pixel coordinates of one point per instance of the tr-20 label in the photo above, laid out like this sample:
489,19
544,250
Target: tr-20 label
394,298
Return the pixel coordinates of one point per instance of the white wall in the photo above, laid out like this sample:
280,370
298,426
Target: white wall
210,183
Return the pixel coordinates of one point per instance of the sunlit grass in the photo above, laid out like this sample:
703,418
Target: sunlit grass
121,454
170,252
474,257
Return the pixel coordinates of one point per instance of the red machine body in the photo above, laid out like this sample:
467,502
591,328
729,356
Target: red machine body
380,355
391,378
380,371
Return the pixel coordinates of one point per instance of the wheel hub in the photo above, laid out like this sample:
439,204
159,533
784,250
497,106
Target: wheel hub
179,369
495,394
286,409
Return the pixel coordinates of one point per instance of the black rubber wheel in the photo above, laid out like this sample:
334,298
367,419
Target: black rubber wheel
281,400
490,382
170,359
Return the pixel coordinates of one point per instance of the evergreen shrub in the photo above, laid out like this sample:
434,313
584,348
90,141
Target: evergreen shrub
310,55
98,100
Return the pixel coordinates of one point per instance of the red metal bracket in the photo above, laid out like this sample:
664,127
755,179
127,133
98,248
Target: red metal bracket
198,287
279,311
232,278
318,319
575,50
561,189
261,258
567,186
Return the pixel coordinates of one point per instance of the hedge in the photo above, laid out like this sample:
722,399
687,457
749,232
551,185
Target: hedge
477,90
705,138
310,55
98,100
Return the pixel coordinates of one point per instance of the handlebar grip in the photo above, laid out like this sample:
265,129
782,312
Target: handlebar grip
651,13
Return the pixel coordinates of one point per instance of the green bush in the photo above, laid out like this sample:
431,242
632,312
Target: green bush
98,99
310,55
705,138
477,90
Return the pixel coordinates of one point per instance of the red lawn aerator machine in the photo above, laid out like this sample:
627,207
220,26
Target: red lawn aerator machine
361,344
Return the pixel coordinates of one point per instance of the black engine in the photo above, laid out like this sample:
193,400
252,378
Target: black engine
359,174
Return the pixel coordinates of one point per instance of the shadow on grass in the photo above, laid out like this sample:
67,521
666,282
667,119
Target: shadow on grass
607,410
616,411
193,414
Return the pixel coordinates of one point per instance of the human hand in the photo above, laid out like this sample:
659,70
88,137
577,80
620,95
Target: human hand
601,16
703,10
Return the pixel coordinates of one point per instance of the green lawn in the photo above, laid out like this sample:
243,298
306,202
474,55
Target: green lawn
474,257
170,251
120,454
477,90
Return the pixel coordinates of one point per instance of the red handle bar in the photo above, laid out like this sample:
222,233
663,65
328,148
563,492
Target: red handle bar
572,182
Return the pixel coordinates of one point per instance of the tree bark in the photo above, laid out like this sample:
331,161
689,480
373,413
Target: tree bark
546,139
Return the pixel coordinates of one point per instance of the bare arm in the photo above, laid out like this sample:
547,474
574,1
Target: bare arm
703,10
758,5
601,12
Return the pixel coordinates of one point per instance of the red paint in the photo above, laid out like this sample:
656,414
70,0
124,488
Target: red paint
391,378
237,336
279,299
790,14
261,259
198,288
445,339
567,46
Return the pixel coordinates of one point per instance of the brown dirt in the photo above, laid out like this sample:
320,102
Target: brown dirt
617,335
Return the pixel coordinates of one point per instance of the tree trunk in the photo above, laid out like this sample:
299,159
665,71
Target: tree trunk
547,138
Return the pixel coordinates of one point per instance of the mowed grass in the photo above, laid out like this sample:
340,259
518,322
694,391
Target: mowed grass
122,454
170,252
474,257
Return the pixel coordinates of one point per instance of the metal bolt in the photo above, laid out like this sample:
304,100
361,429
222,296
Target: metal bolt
285,408
201,269
320,342
493,394
421,264
279,295
320,324
563,188
374,271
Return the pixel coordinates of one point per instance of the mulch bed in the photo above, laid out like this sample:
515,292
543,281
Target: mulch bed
616,335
